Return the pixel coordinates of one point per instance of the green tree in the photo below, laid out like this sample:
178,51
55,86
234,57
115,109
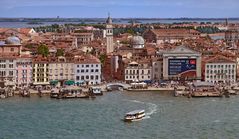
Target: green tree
130,31
43,50
60,52
102,58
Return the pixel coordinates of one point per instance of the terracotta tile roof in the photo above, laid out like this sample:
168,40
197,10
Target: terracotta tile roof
220,59
174,32
87,59
19,30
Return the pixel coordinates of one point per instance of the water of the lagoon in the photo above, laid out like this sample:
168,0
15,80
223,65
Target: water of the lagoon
25,24
167,117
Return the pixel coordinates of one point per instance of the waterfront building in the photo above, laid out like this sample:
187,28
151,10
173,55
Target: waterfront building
181,63
113,68
157,68
220,69
109,36
8,70
160,36
23,71
40,71
61,69
138,71
87,70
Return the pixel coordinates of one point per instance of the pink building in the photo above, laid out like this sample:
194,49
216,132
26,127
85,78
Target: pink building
23,71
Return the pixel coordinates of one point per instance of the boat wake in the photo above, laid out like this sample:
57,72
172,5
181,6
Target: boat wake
152,108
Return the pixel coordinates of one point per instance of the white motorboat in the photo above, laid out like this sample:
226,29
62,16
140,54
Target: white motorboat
180,91
96,91
135,115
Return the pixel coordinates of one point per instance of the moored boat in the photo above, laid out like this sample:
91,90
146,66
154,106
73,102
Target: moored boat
54,93
72,92
135,115
24,92
180,91
96,91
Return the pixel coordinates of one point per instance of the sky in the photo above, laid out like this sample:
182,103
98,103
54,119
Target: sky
120,8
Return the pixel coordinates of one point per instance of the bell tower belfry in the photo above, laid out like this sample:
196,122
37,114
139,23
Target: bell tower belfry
109,35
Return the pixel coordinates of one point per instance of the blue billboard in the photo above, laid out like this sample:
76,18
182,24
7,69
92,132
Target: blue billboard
179,66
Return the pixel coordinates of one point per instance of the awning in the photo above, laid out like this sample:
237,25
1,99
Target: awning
53,82
69,82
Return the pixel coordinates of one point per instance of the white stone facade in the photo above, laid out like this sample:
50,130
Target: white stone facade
138,72
8,70
87,73
220,72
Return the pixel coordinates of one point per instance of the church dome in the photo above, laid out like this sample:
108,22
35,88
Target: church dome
13,40
137,42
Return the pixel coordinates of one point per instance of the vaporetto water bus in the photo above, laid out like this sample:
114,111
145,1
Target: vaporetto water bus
135,115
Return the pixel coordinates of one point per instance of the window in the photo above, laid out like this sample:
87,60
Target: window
207,71
97,77
82,78
92,77
10,65
12,49
87,70
11,73
87,77
92,70
87,66
96,65
82,71
77,78
92,65
78,71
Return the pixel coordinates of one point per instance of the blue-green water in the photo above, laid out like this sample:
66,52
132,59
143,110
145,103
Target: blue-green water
167,117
